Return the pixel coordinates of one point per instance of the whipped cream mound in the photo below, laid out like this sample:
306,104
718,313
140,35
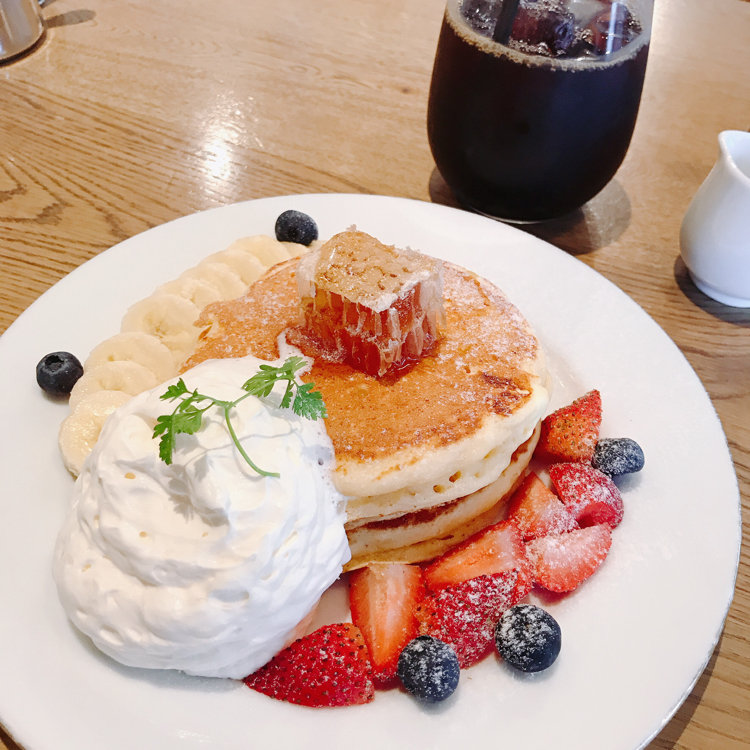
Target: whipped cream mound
203,565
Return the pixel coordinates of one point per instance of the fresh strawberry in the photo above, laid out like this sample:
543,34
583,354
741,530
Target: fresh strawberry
591,496
464,615
329,667
538,511
570,433
563,561
496,549
383,599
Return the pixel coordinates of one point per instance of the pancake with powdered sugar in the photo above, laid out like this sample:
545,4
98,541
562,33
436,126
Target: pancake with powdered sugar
426,455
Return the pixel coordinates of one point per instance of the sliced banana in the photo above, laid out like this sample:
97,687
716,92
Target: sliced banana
267,250
80,430
295,249
200,292
246,265
220,275
134,346
157,335
170,318
126,376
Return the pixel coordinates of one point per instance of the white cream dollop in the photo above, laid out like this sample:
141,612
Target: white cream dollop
203,565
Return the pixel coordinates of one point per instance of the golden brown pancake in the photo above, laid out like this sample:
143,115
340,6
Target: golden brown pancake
425,534
421,439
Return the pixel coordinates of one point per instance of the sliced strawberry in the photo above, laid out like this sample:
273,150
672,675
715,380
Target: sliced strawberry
329,667
591,496
563,561
570,433
538,511
464,615
496,549
383,599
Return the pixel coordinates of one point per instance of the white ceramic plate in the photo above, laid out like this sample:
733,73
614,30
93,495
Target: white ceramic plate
636,636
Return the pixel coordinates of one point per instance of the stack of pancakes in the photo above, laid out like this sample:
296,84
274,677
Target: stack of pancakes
427,456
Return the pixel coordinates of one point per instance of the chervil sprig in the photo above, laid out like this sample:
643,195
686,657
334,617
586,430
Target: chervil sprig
187,416
304,401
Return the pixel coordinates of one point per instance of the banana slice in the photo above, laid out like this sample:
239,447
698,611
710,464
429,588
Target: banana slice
246,265
219,275
267,250
134,346
128,377
295,249
80,430
170,318
157,335
200,292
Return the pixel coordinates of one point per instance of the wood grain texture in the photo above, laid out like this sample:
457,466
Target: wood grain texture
130,114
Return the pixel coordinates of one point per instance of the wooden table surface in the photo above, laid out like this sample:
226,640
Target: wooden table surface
133,113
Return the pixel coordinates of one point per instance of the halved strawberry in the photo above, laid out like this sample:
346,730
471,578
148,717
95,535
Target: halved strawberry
538,511
383,599
464,615
329,667
591,496
496,549
563,561
570,433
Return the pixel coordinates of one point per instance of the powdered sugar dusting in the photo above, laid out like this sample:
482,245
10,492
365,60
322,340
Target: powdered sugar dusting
528,638
429,669
487,363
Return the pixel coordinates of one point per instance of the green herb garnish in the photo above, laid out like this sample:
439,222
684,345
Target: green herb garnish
187,416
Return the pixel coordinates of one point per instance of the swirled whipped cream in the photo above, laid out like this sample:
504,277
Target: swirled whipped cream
202,565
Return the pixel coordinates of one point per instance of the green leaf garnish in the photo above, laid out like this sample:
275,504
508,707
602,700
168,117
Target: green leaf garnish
187,416
309,403
174,391
304,401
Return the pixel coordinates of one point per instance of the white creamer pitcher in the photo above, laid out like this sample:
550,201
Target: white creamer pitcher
715,233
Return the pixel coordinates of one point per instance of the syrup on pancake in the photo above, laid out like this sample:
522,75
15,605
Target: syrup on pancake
426,453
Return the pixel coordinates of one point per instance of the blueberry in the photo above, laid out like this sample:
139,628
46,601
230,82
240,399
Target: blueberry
58,372
428,669
528,638
294,226
615,456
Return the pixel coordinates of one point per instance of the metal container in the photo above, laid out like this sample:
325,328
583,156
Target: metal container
21,27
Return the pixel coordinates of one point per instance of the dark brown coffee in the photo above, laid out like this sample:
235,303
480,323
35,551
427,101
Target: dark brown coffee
527,137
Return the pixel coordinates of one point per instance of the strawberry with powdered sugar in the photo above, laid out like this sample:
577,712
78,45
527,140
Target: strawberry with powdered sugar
463,602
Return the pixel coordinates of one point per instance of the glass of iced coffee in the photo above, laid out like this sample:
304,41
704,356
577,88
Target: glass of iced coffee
532,106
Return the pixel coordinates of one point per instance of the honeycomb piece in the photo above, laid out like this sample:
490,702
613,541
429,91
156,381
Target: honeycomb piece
367,304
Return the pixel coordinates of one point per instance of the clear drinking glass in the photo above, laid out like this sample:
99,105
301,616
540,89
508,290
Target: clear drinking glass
532,107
